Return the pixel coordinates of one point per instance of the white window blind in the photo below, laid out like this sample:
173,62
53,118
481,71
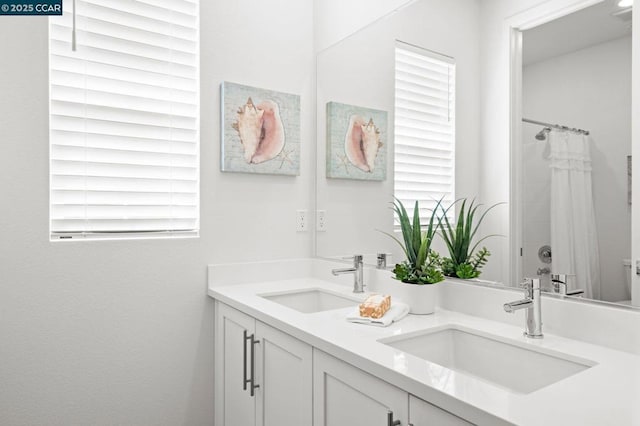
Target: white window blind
424,129
124,118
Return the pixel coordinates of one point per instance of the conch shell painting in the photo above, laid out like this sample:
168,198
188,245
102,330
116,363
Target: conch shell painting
361,143
261,131
355,148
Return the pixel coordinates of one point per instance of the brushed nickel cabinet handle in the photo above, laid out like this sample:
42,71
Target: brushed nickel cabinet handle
244,360
390,421
253,387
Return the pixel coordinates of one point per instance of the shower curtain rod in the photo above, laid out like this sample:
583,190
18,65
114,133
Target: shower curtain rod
556,126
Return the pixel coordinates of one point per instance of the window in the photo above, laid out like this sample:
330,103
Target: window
424,128
124,119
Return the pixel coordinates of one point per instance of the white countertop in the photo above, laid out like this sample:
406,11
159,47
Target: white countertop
606,394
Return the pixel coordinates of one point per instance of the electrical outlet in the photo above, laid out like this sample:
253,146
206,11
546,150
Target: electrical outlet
302,221
321,220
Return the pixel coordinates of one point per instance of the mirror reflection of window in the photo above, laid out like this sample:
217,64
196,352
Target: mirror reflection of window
424,128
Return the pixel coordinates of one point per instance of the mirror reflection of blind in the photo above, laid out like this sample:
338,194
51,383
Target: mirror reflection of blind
124,140
424,129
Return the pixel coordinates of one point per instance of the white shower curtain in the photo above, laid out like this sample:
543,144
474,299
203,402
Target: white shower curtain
574,239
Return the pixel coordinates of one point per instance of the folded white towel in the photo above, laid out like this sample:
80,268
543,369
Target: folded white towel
396,312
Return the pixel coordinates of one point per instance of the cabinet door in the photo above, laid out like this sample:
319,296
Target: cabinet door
234,405
421,413
284,371
345,395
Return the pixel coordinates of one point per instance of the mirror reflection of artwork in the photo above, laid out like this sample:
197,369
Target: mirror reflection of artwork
355,142
261,130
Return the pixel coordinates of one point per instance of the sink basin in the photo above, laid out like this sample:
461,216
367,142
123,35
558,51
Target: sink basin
309,301
508,364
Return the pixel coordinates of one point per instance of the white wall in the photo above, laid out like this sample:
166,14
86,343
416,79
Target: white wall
121,332
589,88
251,42
360,71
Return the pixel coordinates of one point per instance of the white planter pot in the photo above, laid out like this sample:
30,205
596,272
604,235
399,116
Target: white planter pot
421,298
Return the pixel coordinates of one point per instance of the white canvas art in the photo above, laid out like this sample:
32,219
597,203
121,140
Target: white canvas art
260,130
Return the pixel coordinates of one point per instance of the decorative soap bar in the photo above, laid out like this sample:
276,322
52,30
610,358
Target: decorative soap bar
375,306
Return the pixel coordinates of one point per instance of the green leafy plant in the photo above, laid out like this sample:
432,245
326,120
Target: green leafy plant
423,264
463,261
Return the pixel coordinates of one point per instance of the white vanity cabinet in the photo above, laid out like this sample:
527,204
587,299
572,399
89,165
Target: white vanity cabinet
234,404
263,376
345,395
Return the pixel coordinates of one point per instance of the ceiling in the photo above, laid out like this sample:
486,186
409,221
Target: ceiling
587,27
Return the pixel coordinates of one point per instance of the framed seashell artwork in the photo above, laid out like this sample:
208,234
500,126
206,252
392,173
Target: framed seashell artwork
260,130
356,142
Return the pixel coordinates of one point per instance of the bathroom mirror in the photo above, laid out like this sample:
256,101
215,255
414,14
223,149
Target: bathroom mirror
573,162
357,75
575,71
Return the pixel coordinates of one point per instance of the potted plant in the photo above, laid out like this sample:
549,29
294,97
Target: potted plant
421,270
463,261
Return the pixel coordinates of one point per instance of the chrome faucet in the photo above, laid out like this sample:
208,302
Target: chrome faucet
357,271
533,306
382,260
559,282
